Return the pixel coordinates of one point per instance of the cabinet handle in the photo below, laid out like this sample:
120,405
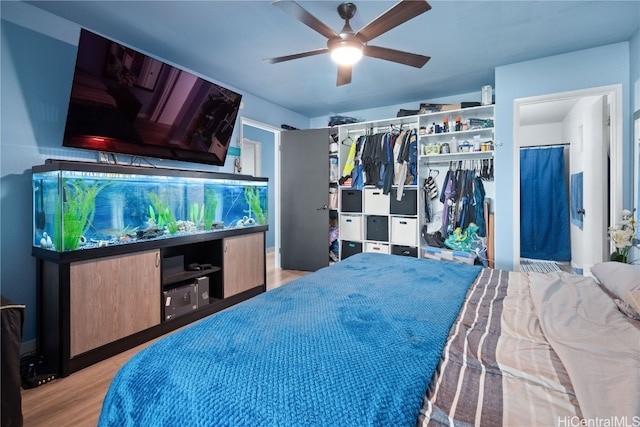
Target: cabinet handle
226,247
157,259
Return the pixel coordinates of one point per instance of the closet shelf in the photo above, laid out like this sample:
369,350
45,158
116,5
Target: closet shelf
475,131
451,157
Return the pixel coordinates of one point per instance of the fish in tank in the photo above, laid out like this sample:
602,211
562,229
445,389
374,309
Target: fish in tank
76,210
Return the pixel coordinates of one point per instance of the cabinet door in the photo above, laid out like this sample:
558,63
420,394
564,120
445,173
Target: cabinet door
112,298
243,265
304,230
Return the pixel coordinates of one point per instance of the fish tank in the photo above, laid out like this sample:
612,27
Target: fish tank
79,206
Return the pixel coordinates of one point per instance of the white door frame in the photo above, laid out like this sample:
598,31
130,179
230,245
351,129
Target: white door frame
257,156
276,184
614,94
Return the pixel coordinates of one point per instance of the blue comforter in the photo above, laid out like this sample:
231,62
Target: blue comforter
352,344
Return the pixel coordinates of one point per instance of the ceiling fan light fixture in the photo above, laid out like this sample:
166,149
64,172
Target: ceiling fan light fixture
346,53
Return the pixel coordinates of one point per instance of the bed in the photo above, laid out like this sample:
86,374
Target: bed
386,340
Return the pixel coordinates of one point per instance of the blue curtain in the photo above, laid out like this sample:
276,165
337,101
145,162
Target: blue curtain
544,210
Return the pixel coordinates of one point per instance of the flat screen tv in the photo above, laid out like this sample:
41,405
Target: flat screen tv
123,101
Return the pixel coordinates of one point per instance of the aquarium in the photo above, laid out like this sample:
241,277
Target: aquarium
88,206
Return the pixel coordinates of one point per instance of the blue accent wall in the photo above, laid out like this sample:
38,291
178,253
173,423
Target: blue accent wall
37,62
601,66
634,60
267,147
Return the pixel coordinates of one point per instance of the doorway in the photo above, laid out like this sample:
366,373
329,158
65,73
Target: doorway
589,124
260,145
251,158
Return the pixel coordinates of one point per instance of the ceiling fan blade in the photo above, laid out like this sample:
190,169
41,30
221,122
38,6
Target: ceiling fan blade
297,55
344,75
398,14
301,14
406,58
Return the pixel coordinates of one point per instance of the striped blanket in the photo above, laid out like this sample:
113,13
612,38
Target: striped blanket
497,367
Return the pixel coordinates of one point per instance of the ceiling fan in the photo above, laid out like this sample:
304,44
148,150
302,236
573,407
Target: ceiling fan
347,47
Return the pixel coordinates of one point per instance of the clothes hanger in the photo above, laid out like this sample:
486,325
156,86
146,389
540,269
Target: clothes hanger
346,140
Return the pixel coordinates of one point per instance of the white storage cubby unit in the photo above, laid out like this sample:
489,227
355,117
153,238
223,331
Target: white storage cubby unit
366,215
371,221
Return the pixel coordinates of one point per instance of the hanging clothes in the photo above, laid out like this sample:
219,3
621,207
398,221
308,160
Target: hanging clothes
371,159
350,162
449,198
478,203
397,148
357,179
388,168
466,210
404,158
413,157
544,211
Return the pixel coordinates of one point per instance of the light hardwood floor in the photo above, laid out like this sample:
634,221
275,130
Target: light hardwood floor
77,399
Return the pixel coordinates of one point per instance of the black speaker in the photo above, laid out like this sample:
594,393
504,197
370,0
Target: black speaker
203,290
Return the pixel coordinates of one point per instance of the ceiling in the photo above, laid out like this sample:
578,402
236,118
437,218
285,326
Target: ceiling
228,41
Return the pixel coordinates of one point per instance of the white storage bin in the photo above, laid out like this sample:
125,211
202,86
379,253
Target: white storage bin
404,231
380,248
351,227
376,203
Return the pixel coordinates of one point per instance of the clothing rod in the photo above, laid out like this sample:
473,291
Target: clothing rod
567,144
378,127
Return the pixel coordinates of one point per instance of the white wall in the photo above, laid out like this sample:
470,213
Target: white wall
572,131
546,133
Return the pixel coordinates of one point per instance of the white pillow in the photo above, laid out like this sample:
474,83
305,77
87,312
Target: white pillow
622,281
617,277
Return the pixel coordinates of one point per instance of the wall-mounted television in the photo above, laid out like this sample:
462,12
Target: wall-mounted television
123,101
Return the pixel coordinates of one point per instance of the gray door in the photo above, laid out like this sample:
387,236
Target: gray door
304,196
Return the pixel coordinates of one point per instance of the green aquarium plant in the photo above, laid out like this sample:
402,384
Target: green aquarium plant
210,207
78,209
252,197
196,213
161,214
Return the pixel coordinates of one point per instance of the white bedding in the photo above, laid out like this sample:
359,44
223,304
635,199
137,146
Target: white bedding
598,345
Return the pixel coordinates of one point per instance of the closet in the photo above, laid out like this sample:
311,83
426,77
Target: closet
371,213
380,214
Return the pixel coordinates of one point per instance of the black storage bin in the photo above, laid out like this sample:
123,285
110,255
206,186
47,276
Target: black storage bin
350,248
351,200
408,205
404,250
378,228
